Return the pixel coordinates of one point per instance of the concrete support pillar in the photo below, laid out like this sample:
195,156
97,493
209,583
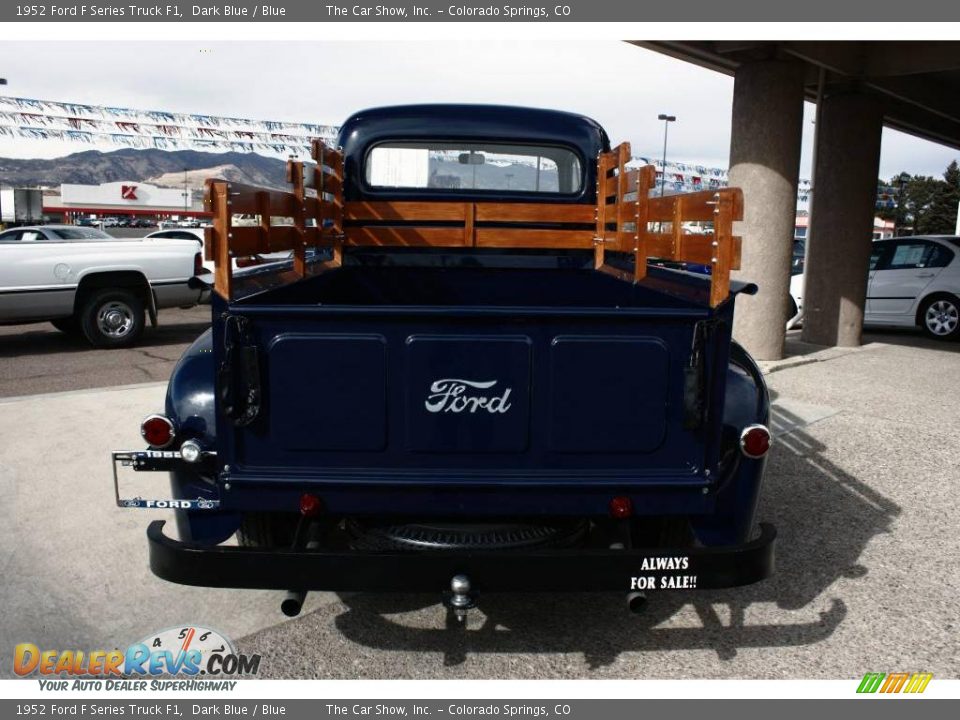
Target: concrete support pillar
765,162
841,222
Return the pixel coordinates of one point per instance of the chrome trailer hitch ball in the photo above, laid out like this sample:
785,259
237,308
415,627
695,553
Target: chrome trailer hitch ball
460,598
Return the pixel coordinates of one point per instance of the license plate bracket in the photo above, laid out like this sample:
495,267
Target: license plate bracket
154,461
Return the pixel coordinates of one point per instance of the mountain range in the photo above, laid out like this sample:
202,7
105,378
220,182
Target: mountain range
159,167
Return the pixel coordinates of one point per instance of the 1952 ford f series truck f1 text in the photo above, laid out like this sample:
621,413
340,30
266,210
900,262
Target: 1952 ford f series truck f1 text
467,379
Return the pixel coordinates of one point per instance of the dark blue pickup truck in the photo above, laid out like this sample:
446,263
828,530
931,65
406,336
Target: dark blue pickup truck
467,378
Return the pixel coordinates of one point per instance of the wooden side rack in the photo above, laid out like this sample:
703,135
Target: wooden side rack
624,219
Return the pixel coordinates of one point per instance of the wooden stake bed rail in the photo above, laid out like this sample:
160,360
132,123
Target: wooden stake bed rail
624,219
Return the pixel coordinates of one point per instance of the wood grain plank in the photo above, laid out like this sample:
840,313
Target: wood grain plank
535,213
413,211
534,238
404,236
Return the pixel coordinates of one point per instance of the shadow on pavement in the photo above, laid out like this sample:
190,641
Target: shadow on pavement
48,342
908,337
825,518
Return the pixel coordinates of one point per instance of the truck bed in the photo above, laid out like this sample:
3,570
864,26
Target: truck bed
420,376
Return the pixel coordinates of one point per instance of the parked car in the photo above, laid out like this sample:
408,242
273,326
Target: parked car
912,282
795,301
93,285
494,402
198,234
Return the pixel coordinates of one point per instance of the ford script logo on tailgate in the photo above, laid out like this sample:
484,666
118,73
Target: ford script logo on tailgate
457,396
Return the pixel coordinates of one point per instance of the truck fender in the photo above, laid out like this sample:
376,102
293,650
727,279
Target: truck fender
130,279
738,489
190,405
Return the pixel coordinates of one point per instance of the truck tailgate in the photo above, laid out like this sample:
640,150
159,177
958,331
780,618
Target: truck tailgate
476,394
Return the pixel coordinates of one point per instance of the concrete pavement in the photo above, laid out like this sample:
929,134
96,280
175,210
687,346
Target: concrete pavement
862,484
74,566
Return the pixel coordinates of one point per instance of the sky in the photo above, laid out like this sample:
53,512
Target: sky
324,82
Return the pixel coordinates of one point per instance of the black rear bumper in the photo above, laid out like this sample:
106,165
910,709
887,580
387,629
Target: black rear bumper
695,568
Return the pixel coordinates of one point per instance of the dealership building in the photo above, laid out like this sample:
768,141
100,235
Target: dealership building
121,198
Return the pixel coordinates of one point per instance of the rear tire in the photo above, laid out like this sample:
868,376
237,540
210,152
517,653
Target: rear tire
68,325
939,317
112,318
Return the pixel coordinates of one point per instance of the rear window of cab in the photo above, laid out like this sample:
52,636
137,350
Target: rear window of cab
472,166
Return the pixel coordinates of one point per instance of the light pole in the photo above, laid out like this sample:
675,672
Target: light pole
3,81
667,119
185,191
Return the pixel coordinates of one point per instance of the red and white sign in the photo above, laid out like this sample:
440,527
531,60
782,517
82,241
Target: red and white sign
122,194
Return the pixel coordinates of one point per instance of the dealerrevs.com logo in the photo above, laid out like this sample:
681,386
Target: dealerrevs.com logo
189,653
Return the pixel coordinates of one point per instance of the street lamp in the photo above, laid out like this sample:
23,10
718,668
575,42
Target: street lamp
3,81
667,119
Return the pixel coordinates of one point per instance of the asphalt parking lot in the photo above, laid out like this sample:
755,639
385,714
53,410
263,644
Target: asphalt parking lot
862,485
40,359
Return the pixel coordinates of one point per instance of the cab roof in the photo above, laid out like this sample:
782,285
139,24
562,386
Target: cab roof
497,123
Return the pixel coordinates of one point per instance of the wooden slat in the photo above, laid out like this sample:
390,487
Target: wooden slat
324,210
247,199
604,162
405,211
220,207
536,213
646,177
323,153
532,238
729,205
698,206
295,176
209,242
458,212
696,248
328,183
611,185
625,213
404,236
469,213
249,240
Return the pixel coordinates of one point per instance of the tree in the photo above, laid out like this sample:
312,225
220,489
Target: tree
924,205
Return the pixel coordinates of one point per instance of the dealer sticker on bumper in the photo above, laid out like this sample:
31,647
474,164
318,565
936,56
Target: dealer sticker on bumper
664,579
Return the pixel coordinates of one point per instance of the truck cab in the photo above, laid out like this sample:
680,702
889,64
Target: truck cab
471,377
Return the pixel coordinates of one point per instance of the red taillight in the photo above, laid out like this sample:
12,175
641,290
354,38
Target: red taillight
198,268
621,507
310,505
755,441
158,431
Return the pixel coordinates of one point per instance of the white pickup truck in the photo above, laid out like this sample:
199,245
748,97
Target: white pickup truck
93,285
